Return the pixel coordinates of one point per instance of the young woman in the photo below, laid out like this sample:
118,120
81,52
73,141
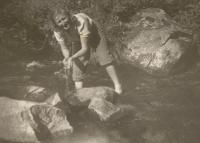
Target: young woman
76,35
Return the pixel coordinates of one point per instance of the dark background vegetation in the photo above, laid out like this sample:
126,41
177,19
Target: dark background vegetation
25,30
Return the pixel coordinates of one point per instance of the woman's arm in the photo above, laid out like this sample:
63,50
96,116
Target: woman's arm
61,42
84,48
64,49
81,52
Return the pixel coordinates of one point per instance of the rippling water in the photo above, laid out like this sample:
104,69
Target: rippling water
167,110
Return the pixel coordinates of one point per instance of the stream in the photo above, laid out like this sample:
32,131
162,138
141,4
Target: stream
166,110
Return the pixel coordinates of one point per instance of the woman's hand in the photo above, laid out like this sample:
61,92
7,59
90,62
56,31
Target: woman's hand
68,62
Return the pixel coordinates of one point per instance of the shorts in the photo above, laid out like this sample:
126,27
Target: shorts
98,43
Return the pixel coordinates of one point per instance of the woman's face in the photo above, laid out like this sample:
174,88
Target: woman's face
63,21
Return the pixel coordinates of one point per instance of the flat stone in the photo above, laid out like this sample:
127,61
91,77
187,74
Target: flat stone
105,110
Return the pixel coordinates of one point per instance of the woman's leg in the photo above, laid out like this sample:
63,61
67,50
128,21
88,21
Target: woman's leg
105,59
114,77
78,73
78,84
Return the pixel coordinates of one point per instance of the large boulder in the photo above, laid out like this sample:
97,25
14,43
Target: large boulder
26,121
155,43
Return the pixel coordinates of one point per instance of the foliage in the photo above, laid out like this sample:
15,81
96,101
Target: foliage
32,17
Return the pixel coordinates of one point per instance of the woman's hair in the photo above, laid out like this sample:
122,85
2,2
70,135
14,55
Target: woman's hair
58,11
61,11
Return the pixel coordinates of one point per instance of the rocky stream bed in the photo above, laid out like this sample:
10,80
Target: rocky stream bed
166,109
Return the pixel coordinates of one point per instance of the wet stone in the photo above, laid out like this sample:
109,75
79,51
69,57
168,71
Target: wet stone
105,110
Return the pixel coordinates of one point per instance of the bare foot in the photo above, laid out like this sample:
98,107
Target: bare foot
118,89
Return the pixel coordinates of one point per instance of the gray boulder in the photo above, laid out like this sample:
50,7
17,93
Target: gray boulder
26,121
155,43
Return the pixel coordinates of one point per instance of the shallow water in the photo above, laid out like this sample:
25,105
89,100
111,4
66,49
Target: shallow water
167,110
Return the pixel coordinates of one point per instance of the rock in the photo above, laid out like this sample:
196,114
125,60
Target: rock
52,119
105,110
43,66
109,112
36,93
54,99
82,97
155,43
41,94
33,93
34,64
28,92
26,121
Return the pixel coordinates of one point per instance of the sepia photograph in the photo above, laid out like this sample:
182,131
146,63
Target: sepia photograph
99,71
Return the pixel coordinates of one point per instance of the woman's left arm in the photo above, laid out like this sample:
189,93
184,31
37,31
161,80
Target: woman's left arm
84,48
82,51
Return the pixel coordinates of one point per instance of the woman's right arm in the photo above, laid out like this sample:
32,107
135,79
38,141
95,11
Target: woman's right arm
62,43
64,49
